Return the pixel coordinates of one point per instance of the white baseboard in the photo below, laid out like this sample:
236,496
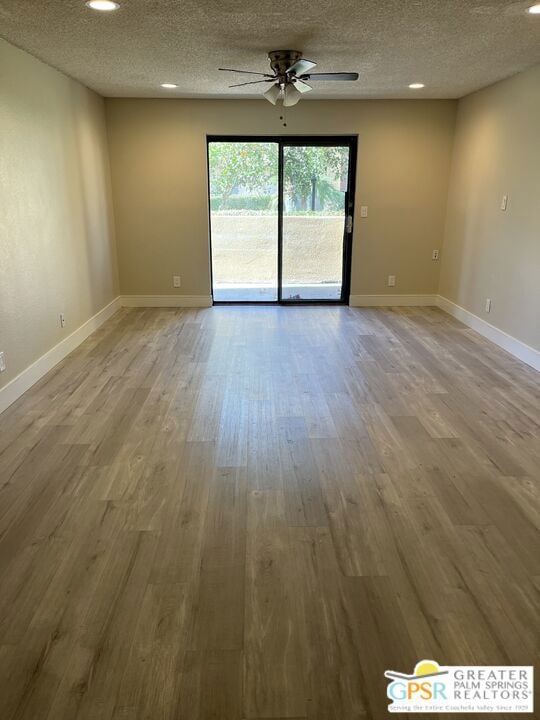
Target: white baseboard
515,347
166,301
391,300
34,372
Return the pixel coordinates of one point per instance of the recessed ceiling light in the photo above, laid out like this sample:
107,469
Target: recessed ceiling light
416,86
534,10
103,5
168,85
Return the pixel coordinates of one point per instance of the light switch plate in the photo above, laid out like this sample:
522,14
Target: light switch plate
363,211
504,202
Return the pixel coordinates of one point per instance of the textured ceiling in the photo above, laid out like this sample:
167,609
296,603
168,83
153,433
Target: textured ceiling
453,46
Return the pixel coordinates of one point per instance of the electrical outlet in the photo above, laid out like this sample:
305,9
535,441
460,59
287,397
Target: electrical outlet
176,280
391,280
2,362
62,320
488,305
364,211
435,255
504,202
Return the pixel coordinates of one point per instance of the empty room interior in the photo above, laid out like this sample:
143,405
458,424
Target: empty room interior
269,359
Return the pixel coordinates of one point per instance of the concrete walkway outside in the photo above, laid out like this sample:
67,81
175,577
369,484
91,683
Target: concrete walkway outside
237,292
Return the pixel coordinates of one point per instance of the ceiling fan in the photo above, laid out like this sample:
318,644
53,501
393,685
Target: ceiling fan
289,78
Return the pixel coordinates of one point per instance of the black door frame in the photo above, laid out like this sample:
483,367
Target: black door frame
282,141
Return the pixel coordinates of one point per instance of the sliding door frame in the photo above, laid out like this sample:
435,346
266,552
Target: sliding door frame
282,141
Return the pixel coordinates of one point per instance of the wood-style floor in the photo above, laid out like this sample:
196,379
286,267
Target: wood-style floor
252,512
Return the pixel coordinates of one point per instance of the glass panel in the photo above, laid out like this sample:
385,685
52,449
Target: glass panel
314,185
244,220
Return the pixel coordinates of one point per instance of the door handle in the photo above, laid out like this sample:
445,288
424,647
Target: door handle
348,224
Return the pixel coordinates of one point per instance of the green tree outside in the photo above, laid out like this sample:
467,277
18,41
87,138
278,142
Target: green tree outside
309,173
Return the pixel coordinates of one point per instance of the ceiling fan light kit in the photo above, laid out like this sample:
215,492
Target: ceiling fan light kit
290,76
273,94
291,95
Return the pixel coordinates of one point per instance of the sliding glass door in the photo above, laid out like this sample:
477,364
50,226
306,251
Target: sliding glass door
281,218
243,179
315,181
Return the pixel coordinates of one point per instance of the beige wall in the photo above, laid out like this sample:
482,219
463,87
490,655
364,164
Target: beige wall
158,163
489,253
56,232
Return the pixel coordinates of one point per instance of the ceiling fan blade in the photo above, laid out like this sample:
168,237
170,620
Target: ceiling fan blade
246,72
252,82
329,76
301,86
301,67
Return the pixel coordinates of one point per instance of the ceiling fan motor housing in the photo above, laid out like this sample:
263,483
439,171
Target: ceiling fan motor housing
282,60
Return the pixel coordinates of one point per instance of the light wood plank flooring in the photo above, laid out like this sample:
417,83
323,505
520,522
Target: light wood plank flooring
252,512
